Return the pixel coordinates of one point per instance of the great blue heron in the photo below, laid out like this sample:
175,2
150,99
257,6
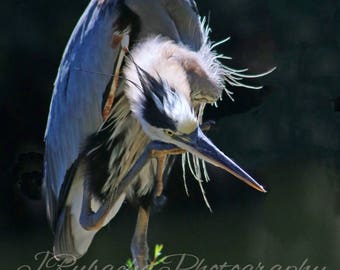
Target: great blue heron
111,139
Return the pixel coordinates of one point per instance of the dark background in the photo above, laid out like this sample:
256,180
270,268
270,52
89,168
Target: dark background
287,135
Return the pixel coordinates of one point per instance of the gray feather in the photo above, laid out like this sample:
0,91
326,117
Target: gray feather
186,19
75,110
64,243
176,19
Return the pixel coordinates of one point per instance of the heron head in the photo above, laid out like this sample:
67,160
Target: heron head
167,116
162,110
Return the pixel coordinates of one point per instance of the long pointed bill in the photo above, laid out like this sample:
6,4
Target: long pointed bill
200,145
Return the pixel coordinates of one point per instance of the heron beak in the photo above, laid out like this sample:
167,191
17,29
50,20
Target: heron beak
198,144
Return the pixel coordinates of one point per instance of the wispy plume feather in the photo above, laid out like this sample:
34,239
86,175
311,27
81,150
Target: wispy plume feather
223,76
222,73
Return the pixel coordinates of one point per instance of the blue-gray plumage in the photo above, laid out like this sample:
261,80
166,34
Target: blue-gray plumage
94,161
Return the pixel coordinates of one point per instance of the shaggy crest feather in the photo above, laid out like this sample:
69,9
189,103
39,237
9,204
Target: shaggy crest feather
221,74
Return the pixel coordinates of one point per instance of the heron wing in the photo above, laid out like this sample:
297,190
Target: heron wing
176,19
184,14
76,105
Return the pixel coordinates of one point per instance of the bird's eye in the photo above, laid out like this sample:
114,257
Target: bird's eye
169,132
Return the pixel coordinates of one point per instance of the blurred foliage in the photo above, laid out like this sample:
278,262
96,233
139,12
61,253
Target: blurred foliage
157,259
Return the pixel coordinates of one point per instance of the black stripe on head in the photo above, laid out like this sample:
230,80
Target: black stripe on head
153,104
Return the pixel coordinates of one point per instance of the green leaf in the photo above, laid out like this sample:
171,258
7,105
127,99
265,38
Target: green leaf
158,250
129,264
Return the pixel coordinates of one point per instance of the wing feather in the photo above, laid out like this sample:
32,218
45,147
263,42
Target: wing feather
185,17
75,110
